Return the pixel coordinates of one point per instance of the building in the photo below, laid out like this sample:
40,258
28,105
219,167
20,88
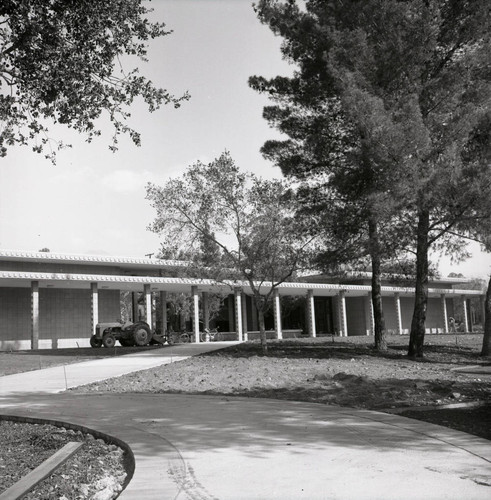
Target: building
50,300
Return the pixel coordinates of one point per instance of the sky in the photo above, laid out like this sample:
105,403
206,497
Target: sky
93,201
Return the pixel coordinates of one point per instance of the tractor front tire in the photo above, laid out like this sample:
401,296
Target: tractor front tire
95,342
108,340
142,335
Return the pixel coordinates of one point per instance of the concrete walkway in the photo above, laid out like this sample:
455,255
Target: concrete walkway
205,447
60,378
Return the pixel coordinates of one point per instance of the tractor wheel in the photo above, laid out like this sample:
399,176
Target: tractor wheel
108,340
95,342
142,335
126,342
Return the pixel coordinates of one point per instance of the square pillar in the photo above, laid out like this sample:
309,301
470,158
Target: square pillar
342,318
94,306
34,315
244,316
195,313
163,309
277,314
397,300
369,318
238,313
311,314
465,313
148,305
443,300
206,309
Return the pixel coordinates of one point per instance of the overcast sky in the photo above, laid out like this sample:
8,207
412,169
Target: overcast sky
93,201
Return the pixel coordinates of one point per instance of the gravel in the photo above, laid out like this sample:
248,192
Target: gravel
97,471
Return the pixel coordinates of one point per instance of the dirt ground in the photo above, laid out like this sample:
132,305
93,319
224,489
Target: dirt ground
346,372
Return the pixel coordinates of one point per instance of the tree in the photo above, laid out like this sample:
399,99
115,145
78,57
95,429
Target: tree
249,219
344,144
62,62
412,80
477,156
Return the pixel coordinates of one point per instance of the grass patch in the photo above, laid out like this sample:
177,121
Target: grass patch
24,361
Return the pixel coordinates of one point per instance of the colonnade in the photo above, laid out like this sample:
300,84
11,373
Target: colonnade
239,312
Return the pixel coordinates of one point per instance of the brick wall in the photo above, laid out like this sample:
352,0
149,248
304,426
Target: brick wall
64,316
355,312
390,314
15,317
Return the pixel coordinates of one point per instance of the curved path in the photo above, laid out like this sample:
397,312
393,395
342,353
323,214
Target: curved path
209,447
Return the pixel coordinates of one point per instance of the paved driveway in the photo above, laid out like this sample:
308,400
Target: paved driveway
206,447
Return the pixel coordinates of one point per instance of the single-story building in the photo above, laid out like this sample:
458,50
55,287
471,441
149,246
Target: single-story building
50,300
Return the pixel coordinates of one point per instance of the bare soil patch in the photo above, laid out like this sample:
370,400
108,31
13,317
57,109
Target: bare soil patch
346,372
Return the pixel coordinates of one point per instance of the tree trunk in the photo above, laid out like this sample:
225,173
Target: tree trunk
262,331
416,340
378,312
261,308
486,341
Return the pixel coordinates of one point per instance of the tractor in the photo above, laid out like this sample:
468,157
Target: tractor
128,334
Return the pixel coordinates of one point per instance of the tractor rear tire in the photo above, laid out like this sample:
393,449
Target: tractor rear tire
95,342
142,335
108,340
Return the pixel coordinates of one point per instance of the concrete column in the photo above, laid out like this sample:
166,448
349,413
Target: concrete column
195,317
244,316
443,300
342,318
230,303
465,315
94,306
238,313
277,314
397,299
369,318
311,314
136,315
163,309
148,305
206,309
34,315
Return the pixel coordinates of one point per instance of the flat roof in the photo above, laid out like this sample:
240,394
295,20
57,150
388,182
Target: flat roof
136,283
23,279
96,260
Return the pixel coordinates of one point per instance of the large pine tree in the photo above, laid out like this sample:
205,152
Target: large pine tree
382,101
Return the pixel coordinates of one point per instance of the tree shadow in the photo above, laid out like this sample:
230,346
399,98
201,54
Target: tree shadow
297,349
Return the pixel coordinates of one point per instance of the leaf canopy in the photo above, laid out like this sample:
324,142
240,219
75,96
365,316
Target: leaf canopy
61,61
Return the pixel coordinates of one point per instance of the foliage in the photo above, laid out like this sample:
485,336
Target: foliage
62,62
233,225
477,156
382,106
